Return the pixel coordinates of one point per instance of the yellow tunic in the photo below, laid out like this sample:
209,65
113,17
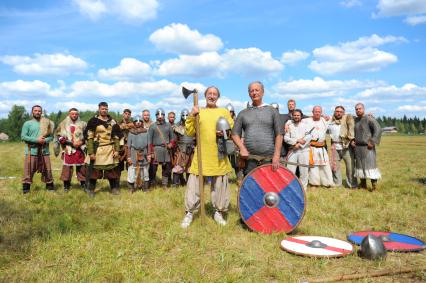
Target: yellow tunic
212,166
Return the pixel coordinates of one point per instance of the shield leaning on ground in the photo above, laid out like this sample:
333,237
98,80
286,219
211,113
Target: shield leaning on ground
316,246
271,201
394,242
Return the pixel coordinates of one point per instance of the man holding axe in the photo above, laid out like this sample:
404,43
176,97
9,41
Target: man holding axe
206,161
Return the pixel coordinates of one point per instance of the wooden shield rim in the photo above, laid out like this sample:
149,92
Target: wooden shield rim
304,199
315,256
390,250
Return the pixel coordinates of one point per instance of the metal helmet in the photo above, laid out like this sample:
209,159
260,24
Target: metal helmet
275,105
372,247
160,112
184,114
137,118
230,107
223,125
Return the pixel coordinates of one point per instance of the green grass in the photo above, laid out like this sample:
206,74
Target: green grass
60,237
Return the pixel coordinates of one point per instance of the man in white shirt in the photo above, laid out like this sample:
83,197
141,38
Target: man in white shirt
298,137
320,174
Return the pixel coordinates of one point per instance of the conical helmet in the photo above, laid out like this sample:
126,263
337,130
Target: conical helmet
275,105
223,125
230,107
160,112
372,247
184,114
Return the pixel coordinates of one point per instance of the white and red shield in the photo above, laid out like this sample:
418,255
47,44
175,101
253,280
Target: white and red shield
316,246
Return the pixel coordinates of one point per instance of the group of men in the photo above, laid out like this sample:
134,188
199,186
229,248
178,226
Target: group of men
103,148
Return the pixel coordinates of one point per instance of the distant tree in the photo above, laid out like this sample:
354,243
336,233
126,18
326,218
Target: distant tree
413,129
15,119
421,129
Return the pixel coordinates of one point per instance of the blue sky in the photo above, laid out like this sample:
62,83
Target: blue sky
138,54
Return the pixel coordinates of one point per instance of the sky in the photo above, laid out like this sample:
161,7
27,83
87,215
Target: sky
138,54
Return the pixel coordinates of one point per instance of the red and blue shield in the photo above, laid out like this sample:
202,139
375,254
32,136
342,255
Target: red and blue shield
271,201
393,241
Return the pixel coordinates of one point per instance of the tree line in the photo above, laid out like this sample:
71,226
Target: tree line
404,125
12,125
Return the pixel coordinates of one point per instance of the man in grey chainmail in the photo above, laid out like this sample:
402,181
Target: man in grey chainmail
367,135
263,131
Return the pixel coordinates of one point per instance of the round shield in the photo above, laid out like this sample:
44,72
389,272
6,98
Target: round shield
271,201
316,246
394,242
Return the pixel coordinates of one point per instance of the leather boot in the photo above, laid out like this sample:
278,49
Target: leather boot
164,182
50,187
91,189
83,185
145,187
67,186
362,184
113,184
26,188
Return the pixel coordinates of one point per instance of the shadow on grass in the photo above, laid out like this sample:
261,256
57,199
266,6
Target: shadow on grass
422,181
38,216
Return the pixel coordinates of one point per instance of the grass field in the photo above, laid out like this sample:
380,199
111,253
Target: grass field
67,237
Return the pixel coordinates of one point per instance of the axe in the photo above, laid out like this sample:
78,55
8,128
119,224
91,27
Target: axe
186,92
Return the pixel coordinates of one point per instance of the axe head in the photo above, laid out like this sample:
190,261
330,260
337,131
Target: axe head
186,92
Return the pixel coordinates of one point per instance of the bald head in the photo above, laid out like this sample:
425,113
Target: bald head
316,113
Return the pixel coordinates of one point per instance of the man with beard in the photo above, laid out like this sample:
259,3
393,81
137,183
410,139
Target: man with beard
103,146
184,151
161,141
341,130
212,166
367,135
320,174
137,149
298,137
37,134
70,136
263,132
125,125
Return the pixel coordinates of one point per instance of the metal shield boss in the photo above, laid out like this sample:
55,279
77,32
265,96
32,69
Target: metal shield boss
223,125
372,247
271,201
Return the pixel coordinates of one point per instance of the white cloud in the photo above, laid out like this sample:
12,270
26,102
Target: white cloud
356,56
91,8
246,62
123,89
25,88
129,69
179,38
318,87
408,90
401,8
45,64
412,108
294,56
204,65
128,10
415,20
250,62
350,3
414,10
